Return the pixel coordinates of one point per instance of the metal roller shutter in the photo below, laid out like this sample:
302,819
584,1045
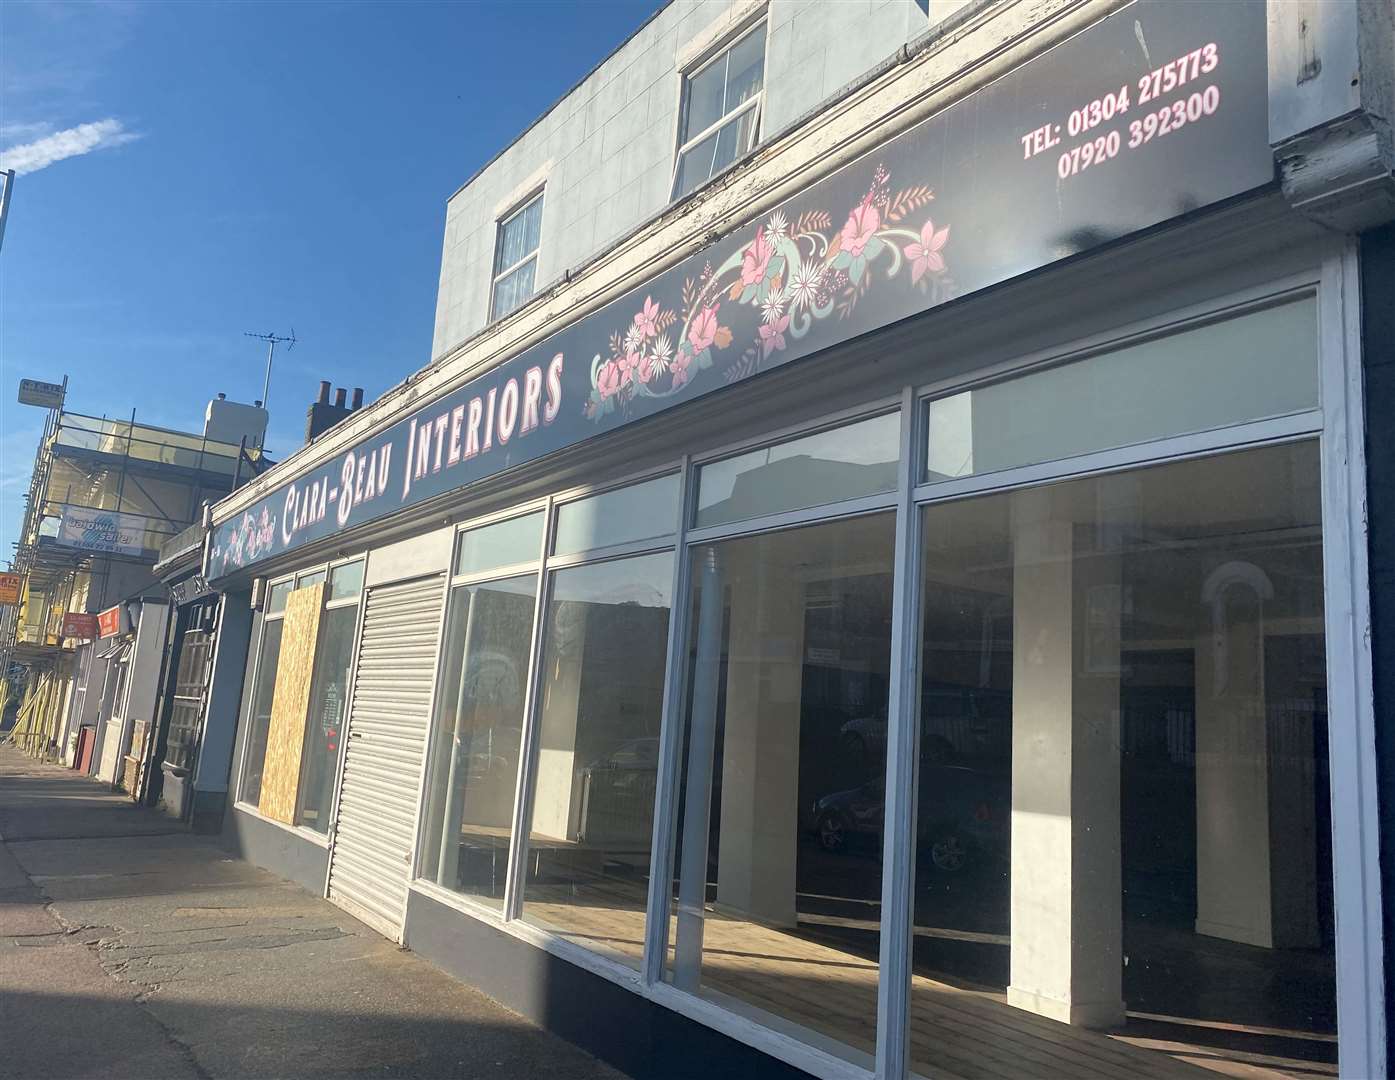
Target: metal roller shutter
388,721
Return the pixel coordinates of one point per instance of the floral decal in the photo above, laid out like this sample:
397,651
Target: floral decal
788,275
251,538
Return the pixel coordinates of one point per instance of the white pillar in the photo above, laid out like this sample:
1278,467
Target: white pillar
1066,951
1255,819
557,791
760,748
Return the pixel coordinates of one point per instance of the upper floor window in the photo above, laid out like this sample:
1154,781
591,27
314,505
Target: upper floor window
516,258
720,118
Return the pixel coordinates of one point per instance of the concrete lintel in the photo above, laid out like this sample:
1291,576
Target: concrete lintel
1341,175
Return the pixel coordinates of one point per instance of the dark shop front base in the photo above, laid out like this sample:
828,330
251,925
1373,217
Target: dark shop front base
634,1034
276,849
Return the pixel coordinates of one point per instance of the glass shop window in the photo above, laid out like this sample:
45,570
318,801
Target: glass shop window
841,463
777,892
1123,836
328,713
600,702
642,511
1252,367
477,731
259,716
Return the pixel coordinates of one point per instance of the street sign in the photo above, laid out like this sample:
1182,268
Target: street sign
46,395
79,625
9,589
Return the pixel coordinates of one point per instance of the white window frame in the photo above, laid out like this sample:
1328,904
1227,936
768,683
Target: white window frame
755,102
497,276
1336,423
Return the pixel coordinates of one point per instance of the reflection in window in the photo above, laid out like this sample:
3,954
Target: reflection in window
602,687
478,730
504,543
638,512
1123,772
1254,366
345,581
259,716
829,466
324,727
778,899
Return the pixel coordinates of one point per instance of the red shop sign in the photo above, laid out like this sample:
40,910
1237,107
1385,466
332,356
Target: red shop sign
78,625
111,622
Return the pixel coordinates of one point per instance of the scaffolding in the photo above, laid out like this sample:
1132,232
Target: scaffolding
92,474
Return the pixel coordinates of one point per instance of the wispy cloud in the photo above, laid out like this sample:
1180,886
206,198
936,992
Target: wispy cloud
71,142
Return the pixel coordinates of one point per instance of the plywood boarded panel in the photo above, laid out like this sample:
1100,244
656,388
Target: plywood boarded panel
290,703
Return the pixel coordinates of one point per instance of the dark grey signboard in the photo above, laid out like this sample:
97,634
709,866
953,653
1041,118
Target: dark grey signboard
1157,110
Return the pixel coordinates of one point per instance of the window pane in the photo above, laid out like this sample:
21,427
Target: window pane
512,290
695,166
519,235
314,577
704,98
746,68
1123,771
637,512
601,699
329,698
844,463
276,598
778,899
505,543
346,581
1247,368
259,716
477,733
734,138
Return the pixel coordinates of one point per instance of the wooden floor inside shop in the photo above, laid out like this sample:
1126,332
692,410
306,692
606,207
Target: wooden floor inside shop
957,1032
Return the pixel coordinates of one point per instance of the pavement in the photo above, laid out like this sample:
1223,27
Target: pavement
130,948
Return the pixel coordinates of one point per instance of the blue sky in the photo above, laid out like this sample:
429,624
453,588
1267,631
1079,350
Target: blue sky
247,166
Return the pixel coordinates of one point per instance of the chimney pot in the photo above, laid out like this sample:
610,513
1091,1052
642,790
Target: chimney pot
358,399
257,404
324,392
339,398
222,397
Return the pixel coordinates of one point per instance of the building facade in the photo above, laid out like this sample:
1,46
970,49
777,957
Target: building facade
876,578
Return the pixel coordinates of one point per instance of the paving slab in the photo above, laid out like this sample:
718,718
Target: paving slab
129,949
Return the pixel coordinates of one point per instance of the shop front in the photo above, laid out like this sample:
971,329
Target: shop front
918,634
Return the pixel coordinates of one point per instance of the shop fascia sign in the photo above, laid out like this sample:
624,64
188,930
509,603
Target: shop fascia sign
101,530
1158,109
79,625
113,621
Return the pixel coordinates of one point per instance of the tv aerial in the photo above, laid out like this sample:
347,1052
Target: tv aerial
272,340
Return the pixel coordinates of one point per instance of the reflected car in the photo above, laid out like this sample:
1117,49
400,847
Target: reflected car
962,818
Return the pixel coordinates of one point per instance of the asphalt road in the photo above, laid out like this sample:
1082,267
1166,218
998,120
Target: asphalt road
131,949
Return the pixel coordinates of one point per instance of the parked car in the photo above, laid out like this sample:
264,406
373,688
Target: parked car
962,817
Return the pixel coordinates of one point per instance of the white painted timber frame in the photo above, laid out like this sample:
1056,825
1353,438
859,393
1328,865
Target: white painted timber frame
1337,424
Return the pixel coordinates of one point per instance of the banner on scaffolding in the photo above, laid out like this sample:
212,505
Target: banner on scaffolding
102,530
9,589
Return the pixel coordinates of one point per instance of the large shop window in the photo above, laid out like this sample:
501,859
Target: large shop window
600,702
777,892
1123,796
478,728
300,696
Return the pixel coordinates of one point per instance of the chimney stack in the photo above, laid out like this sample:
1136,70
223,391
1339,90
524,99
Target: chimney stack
358,399
324,414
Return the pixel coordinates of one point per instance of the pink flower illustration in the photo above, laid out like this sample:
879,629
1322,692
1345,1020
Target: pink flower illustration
608,379
772,335
861,226
756,258
703,332
648,319
627,364
645,371
925,255
680,369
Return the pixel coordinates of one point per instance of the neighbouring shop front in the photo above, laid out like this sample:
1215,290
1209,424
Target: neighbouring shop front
964,679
